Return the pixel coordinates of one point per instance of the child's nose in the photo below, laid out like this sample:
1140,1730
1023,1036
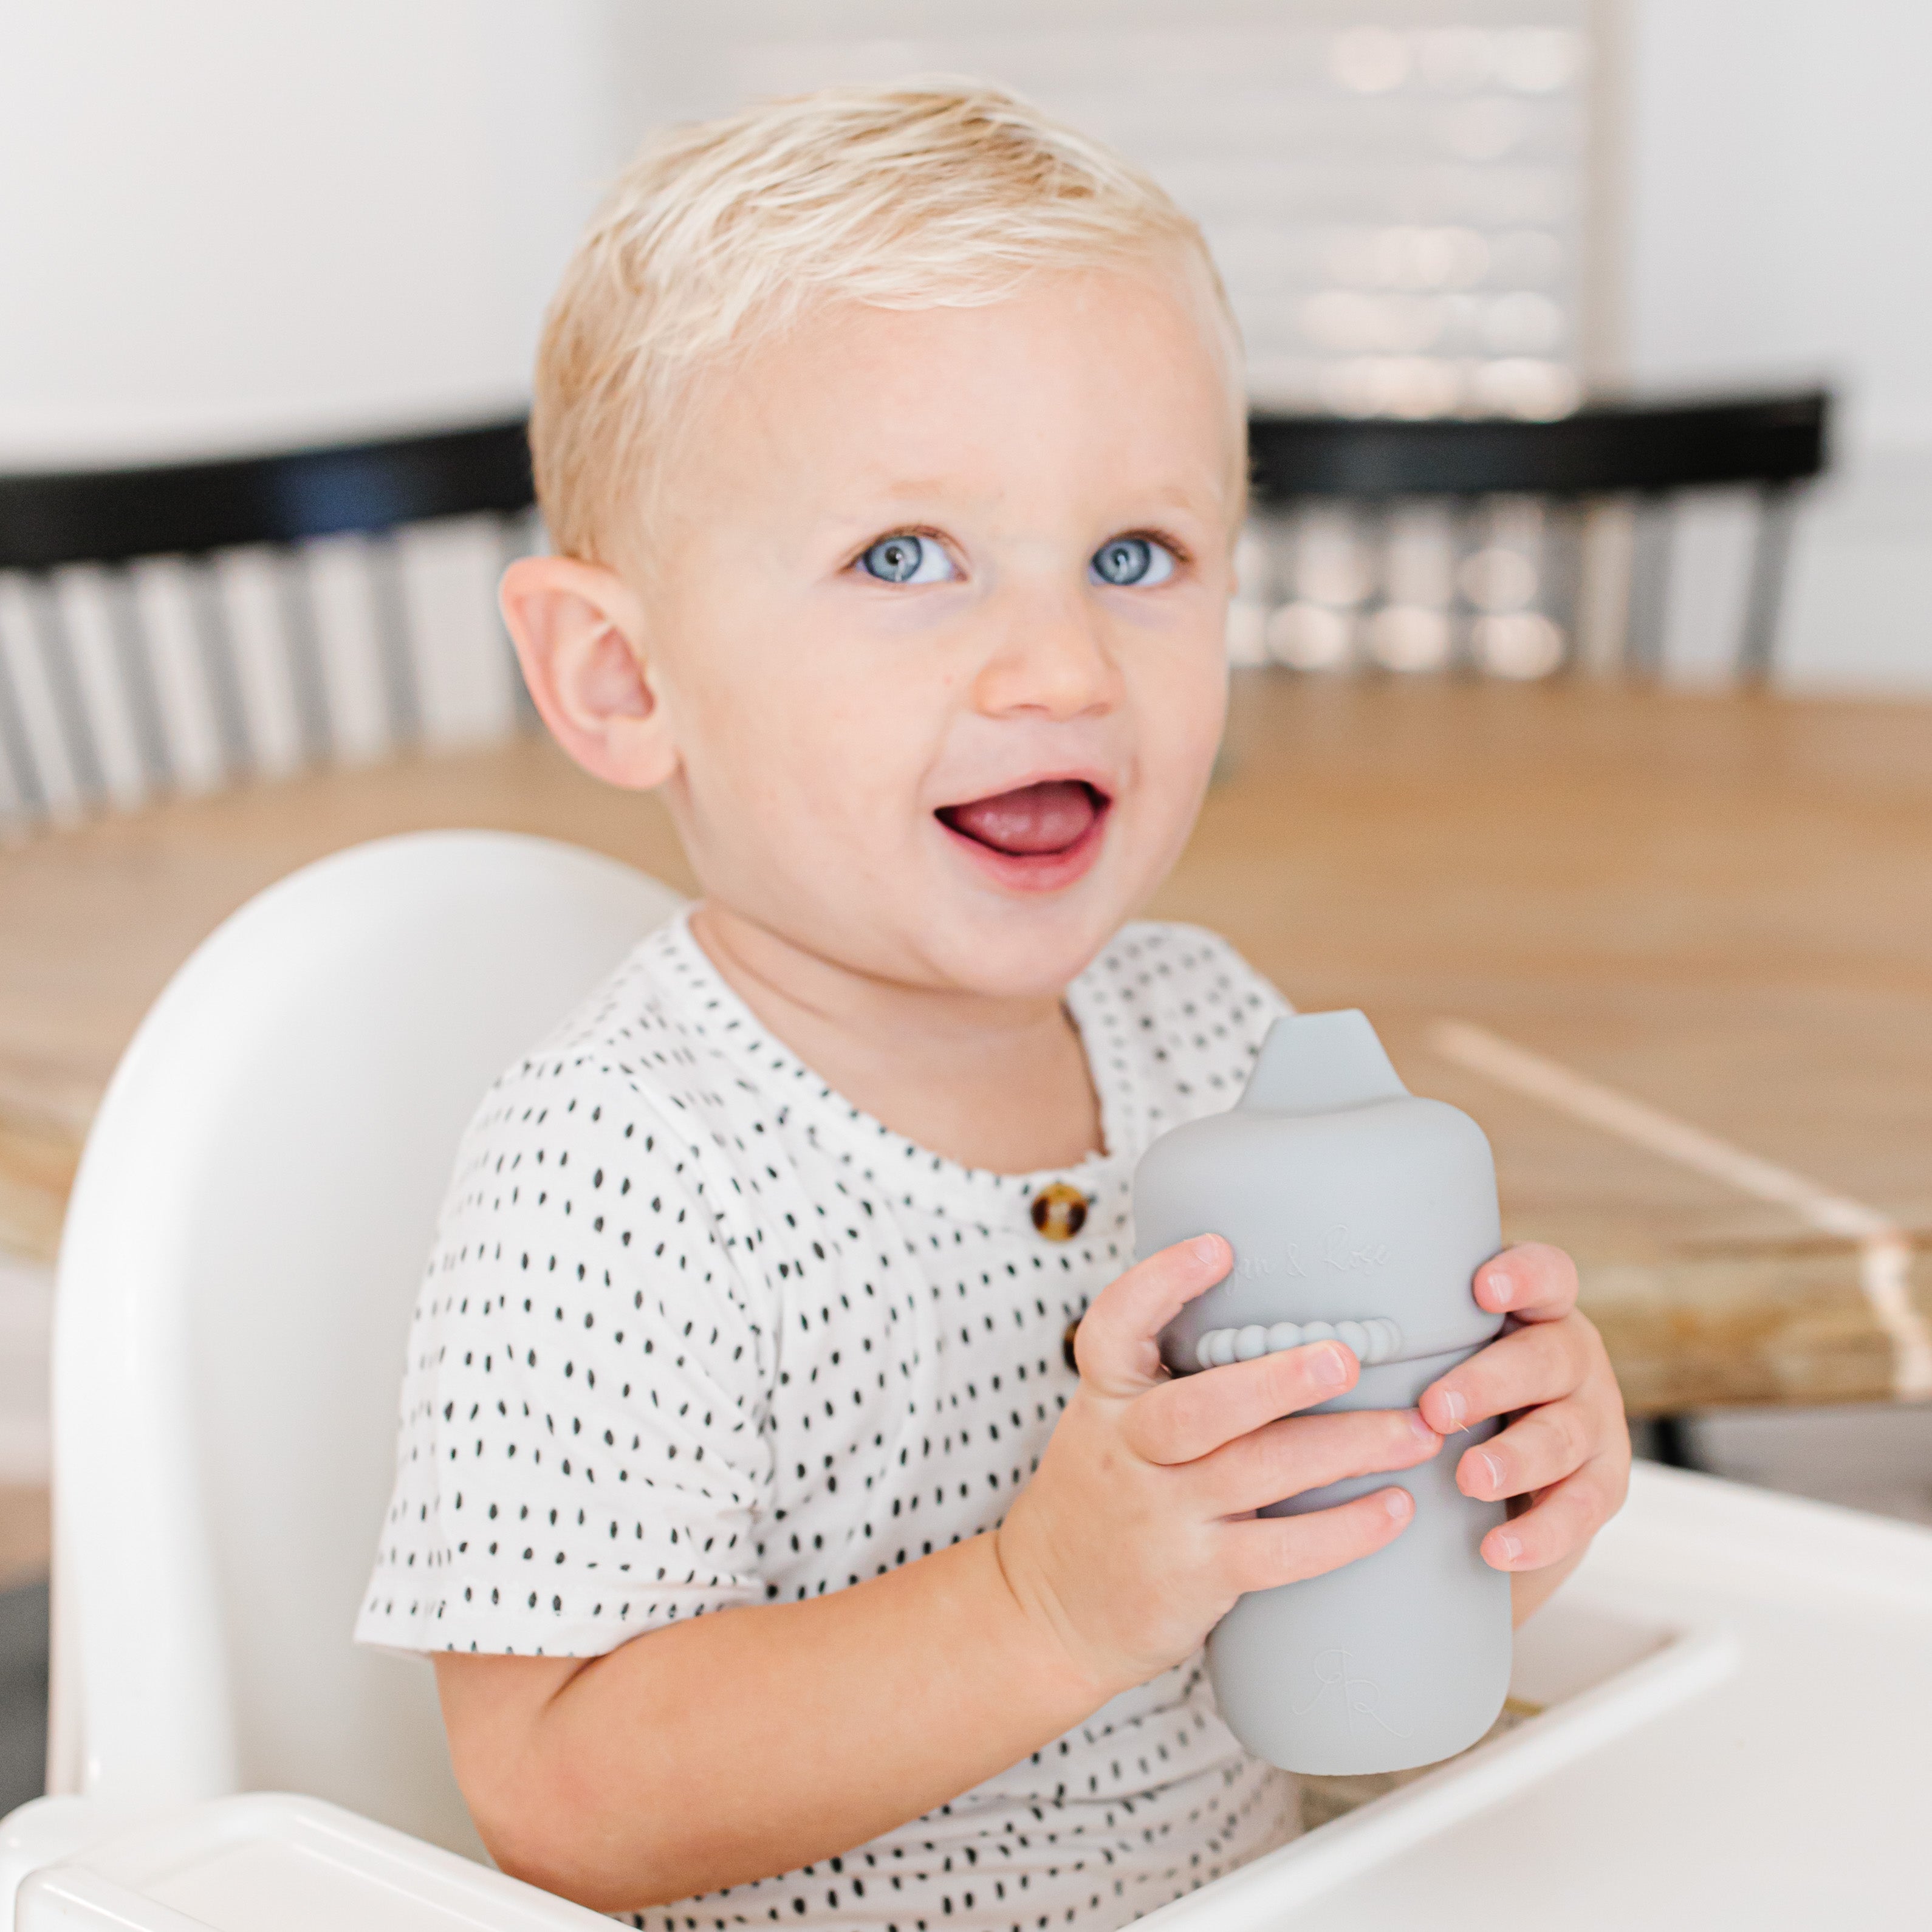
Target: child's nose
1051,659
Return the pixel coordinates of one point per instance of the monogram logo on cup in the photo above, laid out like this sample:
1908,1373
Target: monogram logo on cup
1361,1697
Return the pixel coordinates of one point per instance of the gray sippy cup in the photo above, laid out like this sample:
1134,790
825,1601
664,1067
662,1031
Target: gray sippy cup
1359,1213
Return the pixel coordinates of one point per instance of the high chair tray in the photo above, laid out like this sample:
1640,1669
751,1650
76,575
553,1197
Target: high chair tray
1735,1730
270,1861
1733,1727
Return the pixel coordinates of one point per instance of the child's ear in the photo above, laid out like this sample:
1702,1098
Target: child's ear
579,632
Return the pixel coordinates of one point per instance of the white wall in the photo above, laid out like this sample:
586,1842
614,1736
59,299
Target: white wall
226,222
1781,204
1779,226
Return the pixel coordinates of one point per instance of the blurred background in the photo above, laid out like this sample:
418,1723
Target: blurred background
1582,727
232,224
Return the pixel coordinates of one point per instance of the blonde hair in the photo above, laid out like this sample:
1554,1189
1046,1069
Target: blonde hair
915,196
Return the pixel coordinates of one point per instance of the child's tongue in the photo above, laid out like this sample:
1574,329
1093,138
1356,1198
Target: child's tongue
1036,818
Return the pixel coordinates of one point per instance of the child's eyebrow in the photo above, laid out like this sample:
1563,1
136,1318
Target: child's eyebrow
1204,498
1198,499
910,489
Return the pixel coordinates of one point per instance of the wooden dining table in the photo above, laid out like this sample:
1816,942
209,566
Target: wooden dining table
1673,950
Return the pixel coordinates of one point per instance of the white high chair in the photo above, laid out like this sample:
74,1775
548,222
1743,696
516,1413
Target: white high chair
1734,1690
255,1205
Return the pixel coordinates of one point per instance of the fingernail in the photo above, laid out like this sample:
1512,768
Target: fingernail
1331,1366
1207,1248
1493,1471
1422,1431
1453,1409
1508,1548
1502,1290
1398,1502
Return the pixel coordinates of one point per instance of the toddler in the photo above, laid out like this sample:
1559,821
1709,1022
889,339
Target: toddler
779,1564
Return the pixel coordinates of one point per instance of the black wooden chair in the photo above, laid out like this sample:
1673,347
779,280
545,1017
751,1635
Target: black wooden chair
1643,456
90,715
70,702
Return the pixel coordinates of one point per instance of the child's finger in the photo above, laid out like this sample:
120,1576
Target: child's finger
1532,1281
1309,1452
1271,1550
1192,1415
1562,1520
1117,1345
1542,1364
1547,1444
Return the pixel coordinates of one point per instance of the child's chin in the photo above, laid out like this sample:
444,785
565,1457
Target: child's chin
1029,949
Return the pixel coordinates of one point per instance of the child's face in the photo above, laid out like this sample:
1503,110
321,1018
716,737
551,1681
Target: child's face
936,622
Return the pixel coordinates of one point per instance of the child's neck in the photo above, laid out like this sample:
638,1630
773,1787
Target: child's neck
1001,1084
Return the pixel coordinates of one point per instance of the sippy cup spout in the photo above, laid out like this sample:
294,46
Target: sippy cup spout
1319,1062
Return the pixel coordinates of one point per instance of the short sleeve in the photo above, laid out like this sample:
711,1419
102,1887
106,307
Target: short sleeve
583,1452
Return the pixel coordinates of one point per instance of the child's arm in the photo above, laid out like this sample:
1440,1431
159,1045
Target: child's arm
1567,1452
753,1741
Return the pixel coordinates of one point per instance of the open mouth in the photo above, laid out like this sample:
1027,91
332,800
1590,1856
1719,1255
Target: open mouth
1036,836
1035,821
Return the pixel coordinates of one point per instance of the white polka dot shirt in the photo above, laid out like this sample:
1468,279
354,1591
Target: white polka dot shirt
697,1332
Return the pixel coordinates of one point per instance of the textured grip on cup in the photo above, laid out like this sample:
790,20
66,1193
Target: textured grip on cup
1376,1340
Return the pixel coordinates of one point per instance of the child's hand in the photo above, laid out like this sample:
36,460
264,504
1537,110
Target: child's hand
1137,1532
1568,1449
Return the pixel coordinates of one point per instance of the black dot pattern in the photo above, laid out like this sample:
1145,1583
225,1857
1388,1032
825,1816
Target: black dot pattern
696,1332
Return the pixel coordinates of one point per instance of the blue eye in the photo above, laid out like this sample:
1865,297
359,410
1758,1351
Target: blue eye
903,558
1132,561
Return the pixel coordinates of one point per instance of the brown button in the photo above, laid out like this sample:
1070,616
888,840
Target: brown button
1059,1211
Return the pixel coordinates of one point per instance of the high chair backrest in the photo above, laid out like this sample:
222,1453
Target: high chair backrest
254,1207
